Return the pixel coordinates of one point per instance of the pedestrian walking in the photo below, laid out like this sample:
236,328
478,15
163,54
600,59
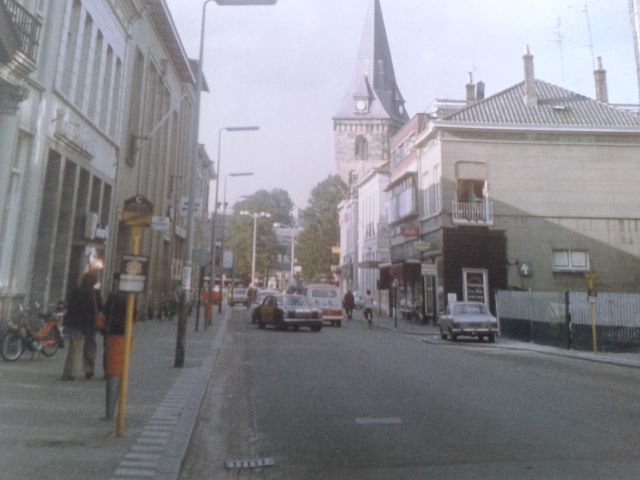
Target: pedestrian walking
369,304
348,303
83,305
206,298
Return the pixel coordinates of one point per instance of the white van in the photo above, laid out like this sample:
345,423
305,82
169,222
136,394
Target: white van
328,298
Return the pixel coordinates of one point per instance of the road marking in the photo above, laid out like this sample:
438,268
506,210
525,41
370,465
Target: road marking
379,421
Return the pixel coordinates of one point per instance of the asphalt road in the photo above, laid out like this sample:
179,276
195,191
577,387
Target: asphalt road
359,403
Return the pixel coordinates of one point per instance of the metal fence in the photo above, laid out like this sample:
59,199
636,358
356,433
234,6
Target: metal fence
565,319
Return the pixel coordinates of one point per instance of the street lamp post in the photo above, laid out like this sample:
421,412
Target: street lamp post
224,217
255,217
188,251
293,232
215,207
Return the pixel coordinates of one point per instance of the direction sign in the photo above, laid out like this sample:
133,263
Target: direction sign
525,269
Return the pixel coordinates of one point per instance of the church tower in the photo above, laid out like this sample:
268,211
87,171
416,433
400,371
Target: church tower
373,108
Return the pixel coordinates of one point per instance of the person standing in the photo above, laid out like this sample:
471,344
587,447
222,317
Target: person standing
349,303
206,297
83,304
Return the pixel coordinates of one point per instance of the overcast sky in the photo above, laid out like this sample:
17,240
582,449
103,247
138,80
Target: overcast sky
286,68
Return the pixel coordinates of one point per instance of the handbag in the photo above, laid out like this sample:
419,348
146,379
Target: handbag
99,321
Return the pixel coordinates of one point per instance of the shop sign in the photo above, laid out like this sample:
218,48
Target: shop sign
422,246
407,231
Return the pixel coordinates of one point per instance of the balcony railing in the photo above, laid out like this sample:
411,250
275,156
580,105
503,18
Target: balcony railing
473,213
26,26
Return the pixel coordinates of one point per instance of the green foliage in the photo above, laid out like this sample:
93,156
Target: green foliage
239,236
320,229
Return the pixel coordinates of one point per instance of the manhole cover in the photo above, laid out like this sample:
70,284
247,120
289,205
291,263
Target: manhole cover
256,463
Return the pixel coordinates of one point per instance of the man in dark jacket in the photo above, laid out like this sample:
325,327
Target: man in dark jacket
79,322
349,303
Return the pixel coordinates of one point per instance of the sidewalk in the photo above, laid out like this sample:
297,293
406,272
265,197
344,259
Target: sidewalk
431,335
56,429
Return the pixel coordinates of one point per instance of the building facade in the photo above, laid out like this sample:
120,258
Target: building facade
102,110
531,188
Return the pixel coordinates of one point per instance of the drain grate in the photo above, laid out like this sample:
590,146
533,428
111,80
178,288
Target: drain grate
257,463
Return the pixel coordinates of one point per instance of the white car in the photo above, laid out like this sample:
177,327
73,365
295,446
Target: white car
471,319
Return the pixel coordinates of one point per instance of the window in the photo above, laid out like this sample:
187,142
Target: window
470,191
82,73
402,201
362,148
570,260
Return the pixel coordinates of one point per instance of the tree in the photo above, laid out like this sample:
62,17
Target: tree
239,236
320,229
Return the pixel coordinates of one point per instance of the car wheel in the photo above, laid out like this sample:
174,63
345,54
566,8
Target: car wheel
261,324
339,323
453,336
296,328
316,328
492,338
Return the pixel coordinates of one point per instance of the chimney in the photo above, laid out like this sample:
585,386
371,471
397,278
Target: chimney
480,91
601,83
471,91
530,94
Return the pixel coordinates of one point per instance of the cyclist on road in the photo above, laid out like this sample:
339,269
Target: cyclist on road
368,308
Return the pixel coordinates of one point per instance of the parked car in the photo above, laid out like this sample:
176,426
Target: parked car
238,295
288,311
471,319
328,298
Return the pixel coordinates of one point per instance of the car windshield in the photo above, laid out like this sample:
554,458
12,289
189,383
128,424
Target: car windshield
295,301
469,309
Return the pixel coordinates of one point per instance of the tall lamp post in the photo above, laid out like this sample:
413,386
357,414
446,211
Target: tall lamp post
255,217
188,251
215,208
293,231
224,217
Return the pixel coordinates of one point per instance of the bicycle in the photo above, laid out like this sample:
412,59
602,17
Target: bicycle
368,315
20,336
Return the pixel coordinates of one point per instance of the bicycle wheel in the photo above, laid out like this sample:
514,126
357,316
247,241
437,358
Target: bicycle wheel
50,343
11,346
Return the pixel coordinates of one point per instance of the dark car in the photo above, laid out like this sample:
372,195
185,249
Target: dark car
288,311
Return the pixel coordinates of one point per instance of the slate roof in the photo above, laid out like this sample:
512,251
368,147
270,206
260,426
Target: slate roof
374,76
556,107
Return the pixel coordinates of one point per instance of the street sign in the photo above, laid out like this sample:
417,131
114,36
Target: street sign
184,206
525,269
137,212
133,273
160,224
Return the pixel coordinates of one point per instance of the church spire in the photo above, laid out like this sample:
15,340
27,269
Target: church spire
374,92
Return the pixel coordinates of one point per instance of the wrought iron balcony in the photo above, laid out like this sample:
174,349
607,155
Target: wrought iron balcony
25,27
479,212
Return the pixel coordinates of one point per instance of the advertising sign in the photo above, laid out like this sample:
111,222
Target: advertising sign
133,273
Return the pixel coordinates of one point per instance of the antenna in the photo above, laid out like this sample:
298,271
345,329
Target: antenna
585,10
559,37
